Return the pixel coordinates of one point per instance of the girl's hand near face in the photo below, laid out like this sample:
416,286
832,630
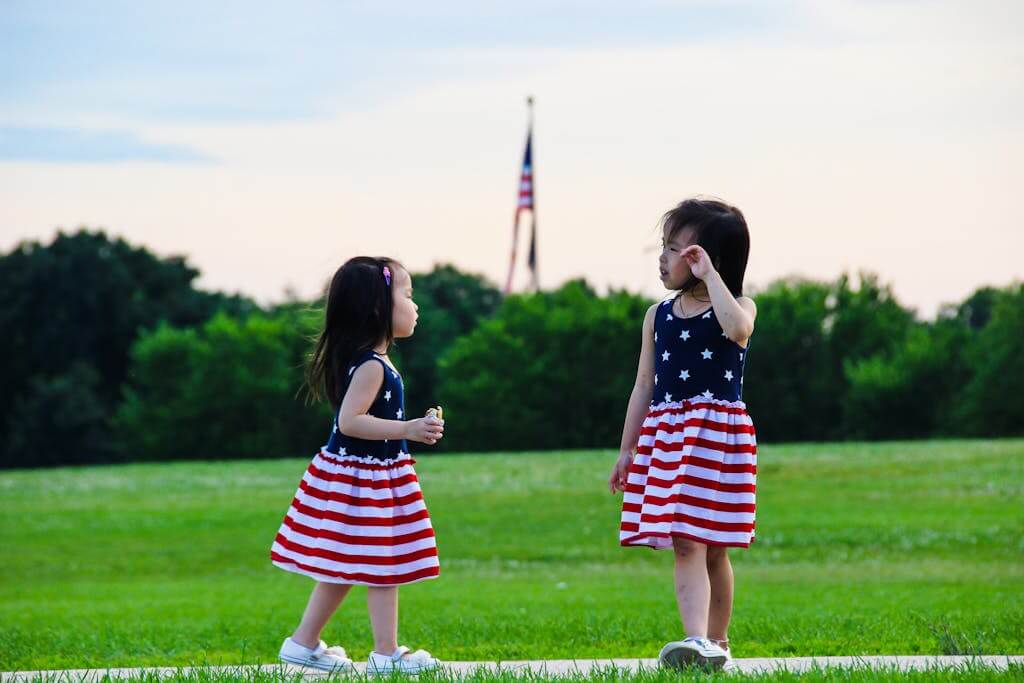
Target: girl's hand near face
698,260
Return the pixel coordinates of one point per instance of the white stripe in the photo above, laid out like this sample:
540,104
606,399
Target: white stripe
334,579
341,488
356,549
399,470
711,495
402,460
720,416
355,567
360,530
359,510
699,513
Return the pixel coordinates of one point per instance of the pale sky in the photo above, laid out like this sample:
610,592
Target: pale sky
270,142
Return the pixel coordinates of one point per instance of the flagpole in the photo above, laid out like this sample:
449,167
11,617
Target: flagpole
519,210
534,279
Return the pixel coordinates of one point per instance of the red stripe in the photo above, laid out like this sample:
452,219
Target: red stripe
364,578
702,503
357,540
706,484
357,501
698,522
697,441
706,463
691,404
352,462
635,540
357,520
362,483
356,559
701,422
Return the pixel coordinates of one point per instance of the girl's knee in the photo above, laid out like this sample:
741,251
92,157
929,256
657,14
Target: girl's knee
717,555
684,547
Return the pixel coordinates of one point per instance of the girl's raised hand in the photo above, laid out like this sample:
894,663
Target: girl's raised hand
620,473
428,430
698,260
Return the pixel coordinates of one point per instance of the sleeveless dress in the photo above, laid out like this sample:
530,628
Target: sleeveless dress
358,516
694,474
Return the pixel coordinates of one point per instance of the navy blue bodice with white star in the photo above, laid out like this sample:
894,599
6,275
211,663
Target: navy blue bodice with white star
389,405
694,358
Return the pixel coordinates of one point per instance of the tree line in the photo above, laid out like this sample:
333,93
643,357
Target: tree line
112,354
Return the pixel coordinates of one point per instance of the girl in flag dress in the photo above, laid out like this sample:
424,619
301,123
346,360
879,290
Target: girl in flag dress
688,457
358,517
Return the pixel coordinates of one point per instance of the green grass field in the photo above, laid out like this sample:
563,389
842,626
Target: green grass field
893,548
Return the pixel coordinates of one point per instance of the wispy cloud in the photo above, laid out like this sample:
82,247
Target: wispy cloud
57,145
223,62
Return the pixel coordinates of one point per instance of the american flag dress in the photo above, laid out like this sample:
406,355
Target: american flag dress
695,471
358,516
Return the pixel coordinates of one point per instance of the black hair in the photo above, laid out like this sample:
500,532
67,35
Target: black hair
721,230
357,318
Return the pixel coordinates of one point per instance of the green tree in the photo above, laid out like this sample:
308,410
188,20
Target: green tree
910,392
451,304
790,380
59,419
81,301
992,403
228,389
550,370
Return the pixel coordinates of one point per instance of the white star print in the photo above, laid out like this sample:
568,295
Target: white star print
387,395
707,354
655,337
684,375
668,398
684,335
655,380
724,334
706,315
395,374
728,374
741,356
399,413
342,451
665,355
707,394
668,316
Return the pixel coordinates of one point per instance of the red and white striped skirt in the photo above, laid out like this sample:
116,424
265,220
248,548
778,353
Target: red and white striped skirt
694,476
360,521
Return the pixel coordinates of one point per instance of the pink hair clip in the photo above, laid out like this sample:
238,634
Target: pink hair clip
387,275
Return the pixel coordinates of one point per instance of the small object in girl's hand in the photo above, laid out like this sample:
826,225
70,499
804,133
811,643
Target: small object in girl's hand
437,412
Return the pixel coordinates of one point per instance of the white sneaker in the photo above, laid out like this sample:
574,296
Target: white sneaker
321,657
729,664
401,661
692,651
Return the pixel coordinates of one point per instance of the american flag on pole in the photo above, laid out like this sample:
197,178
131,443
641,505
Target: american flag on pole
526,201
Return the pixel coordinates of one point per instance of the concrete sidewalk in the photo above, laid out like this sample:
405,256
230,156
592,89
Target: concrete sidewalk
556,667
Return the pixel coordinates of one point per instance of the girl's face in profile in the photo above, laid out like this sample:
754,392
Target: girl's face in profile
673,268
404,310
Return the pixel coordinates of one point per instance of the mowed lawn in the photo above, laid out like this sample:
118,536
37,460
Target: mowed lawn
891,548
